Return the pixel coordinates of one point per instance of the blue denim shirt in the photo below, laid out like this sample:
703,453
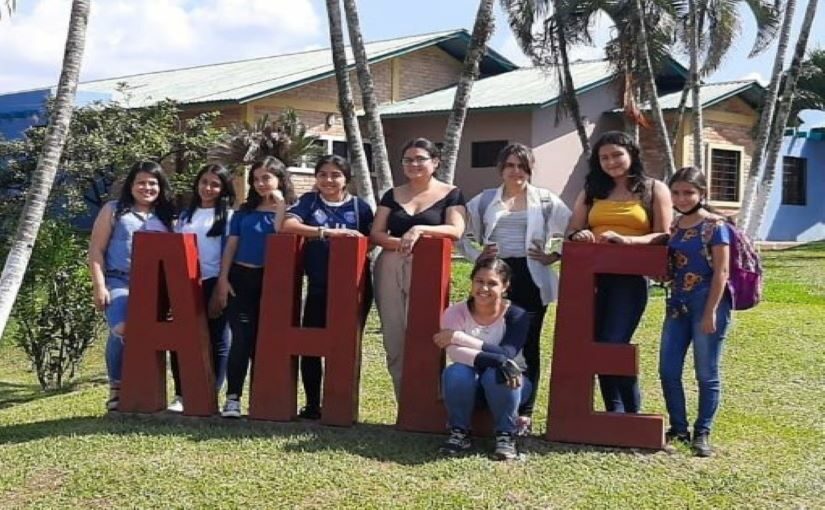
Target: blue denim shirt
119,249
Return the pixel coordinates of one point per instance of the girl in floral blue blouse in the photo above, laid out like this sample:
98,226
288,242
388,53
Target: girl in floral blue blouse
698,310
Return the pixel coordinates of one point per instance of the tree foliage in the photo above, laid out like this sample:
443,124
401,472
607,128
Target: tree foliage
810,92
56,321
286,138
104,140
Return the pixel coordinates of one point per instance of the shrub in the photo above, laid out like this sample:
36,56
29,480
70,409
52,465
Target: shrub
56,320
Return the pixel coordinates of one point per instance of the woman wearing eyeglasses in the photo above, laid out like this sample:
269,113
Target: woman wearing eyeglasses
424,206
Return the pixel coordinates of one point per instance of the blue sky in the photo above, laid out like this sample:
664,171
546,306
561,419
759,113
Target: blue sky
133,36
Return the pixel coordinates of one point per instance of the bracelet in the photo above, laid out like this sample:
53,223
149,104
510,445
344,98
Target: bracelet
570,237
321,232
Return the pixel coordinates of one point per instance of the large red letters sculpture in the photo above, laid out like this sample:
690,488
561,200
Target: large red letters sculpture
165,274
577,358
281,339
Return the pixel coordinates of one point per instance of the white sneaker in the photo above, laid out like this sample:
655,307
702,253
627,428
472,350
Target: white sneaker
177,405
232,408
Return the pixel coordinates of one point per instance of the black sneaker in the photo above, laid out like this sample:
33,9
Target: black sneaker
505,447
701,445
310,413
458,442
672,436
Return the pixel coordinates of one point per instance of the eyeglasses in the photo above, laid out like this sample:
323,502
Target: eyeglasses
415,161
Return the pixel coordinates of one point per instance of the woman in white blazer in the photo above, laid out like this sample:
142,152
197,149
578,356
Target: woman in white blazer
523,225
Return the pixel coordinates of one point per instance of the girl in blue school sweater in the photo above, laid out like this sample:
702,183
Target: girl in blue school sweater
328,211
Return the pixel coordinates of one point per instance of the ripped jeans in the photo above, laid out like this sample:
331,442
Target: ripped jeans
117,284
243,319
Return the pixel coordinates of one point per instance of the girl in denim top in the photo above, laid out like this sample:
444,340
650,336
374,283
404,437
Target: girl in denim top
241,275
699,309
208,216
144,204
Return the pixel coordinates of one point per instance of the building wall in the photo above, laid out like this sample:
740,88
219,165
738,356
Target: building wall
727,125
230,114
513,126
798,222
560,162
425,71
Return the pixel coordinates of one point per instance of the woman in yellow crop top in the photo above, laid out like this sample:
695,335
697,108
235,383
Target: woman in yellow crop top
620,204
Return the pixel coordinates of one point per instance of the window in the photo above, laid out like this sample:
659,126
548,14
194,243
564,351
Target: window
485,154
725,175
338,147
793,181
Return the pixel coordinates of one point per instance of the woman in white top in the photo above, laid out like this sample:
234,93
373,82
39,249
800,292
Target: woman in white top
208,217
516,222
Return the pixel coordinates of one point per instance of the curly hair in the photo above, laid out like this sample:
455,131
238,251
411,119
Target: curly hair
599,184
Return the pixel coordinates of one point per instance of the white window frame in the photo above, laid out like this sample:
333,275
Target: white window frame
708,166
328,140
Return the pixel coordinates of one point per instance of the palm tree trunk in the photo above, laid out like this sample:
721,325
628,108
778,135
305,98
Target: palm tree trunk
778,128
482,30
37,195
695,85
765,118
357,157
680,115
380,158
569,92
661,127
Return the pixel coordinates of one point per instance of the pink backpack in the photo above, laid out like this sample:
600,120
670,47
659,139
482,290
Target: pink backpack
745,268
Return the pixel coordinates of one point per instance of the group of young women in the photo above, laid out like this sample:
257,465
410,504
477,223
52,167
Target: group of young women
513,233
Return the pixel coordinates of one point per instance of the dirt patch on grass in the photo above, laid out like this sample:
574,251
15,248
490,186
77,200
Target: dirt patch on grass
44,482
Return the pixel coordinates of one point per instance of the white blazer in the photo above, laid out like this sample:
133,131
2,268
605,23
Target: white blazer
547,219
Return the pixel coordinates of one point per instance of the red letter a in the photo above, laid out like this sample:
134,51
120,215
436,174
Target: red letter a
577,358
165,266
281,339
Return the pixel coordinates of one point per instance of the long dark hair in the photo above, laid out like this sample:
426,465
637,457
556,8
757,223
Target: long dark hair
522,152
274,166
693,176
498,266
162,207
222,204
598,184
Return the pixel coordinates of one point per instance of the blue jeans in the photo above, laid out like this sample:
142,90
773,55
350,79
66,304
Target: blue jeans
677,334
620,303
118,287
465,389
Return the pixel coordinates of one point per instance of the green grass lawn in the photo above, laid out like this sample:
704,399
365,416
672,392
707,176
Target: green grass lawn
59,451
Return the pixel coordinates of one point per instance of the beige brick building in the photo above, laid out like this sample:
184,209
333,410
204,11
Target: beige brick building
415,81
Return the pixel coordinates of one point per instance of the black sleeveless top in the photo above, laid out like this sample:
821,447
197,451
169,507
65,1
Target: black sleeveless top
399,221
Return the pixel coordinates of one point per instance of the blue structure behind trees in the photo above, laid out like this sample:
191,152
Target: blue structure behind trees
22,110
796,208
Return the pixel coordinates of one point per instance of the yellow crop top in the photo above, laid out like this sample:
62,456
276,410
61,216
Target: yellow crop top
625,217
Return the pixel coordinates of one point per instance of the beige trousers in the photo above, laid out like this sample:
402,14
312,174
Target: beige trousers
392,291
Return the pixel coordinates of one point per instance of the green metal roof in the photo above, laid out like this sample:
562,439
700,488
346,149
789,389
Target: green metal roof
526,88
714,93
247,80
